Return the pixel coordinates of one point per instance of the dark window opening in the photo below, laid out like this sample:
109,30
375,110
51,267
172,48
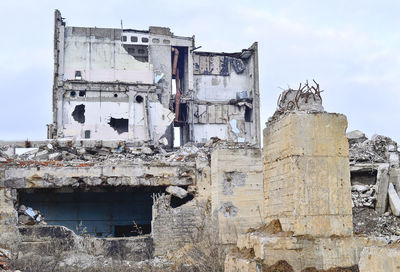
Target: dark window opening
141,51
72,94
131,230
364,176
145,40
82,93
104,212
78,75
139,99
79,113
134,39
87,134
248,114
124,39
115,95
119,124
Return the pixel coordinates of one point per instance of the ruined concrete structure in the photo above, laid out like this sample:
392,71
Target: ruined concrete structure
107,191
137,85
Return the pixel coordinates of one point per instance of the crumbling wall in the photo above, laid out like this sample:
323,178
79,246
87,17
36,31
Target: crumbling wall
174,227
236,191
226,96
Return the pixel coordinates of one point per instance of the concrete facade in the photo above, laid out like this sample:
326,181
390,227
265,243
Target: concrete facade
122,84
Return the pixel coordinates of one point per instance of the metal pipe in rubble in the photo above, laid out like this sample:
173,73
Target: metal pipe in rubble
175,62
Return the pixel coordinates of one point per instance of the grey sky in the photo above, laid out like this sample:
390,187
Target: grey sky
352,48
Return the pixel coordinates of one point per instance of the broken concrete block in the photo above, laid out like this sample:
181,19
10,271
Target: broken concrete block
81,151
163,141
356,136
359,188
55,156
382,183
147,150
10,151
394,200
25,220
176,191
42,155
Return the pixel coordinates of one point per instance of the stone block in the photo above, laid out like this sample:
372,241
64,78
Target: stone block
378,258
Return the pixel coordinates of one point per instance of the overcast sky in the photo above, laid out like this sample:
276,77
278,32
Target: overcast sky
352,48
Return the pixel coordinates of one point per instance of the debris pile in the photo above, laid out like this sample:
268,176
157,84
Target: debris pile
71,152
375,150
369,222
379,154
363,195
29,216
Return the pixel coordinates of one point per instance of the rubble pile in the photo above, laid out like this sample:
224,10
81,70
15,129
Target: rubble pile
376,150
363,195
379,153
71,152
29,216
369,222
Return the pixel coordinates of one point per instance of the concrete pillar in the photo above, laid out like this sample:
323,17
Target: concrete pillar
307,174
9,236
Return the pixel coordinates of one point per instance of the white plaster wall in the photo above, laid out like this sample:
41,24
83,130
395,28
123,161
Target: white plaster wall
203,132
220,88
103,60
97,116
159,119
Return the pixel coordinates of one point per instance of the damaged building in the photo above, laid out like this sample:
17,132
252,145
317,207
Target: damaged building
143,85
107,192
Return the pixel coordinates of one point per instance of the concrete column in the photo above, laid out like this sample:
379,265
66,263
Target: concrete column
307,174
9,236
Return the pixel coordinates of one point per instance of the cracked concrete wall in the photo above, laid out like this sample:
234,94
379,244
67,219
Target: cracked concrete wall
307,174
236,191
172,228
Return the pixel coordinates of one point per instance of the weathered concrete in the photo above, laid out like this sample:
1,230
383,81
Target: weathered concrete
236,191
121,82
9,237
378,258
307,175
172,228
394,200
144,174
